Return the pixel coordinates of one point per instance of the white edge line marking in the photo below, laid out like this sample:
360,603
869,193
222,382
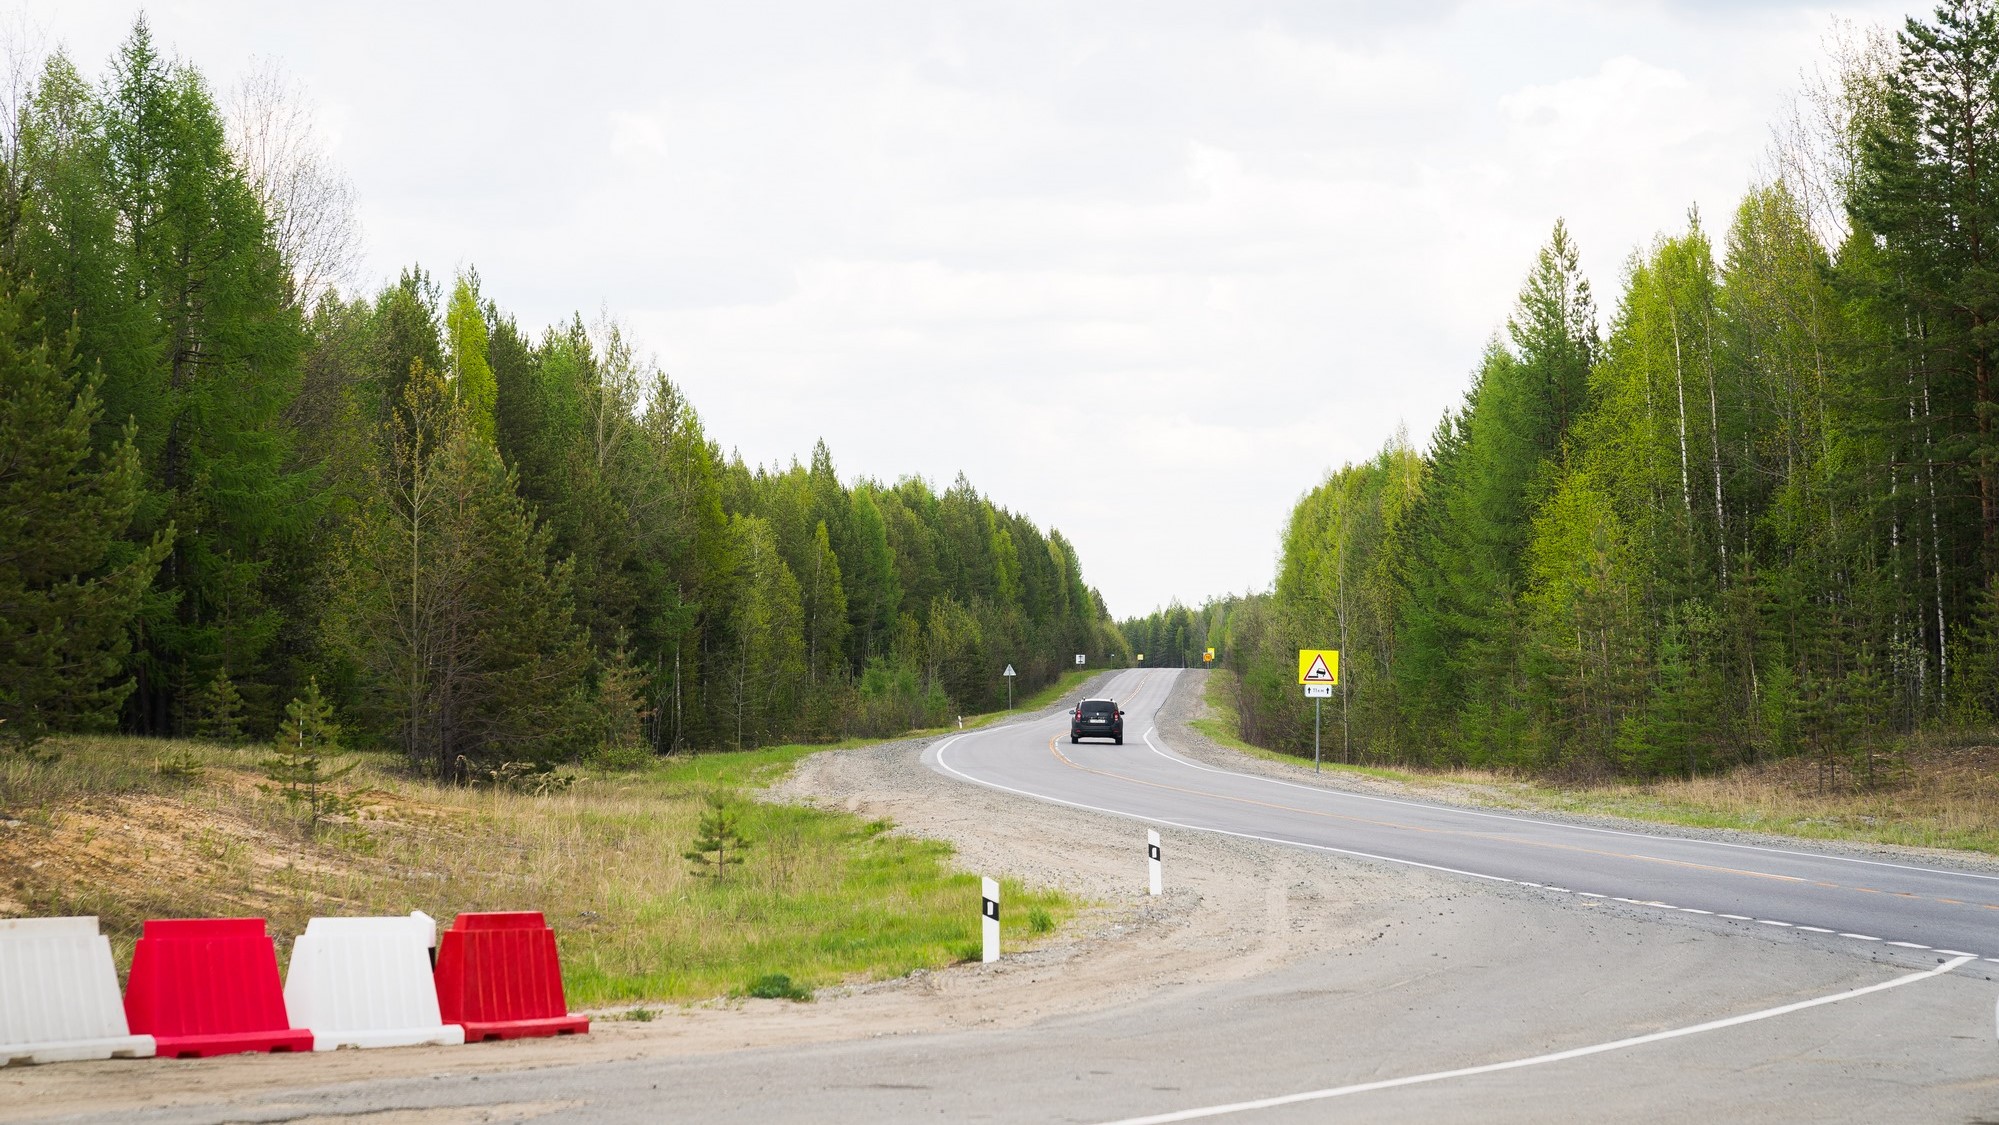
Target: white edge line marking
1860,937
1435,807
1140,817
1558,1056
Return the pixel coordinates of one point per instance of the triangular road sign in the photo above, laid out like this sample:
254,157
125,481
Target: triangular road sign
1318,672
1009,671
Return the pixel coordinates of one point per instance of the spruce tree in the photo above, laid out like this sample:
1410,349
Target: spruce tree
69,584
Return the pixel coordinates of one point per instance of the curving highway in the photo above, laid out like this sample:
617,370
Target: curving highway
1914,907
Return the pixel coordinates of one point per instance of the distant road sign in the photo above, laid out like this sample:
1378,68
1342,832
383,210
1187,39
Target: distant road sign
1141,656
1318,691
1009,671
1208,657
1318,665
1079,658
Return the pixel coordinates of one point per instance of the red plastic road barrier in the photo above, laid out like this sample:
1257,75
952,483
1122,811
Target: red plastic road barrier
209,986
498,977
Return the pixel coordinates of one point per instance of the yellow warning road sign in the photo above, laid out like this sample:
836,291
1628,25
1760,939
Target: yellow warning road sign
1318,665
1208,655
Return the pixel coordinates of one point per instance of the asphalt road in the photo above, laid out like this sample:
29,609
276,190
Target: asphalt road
1827,896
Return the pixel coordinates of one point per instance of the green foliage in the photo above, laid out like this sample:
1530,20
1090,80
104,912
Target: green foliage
1039,921
718,841
533,778
219,710
777,986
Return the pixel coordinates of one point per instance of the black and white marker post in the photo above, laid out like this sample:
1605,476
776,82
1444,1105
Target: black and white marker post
1152,856
990,909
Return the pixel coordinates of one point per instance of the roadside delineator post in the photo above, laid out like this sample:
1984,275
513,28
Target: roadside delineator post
366,982
1152,857
989,909
59,994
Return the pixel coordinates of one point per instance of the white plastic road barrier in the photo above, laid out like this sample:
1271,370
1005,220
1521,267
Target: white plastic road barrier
1152,856
59,994
990,909
366,982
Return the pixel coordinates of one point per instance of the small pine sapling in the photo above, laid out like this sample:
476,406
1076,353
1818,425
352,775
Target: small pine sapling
718,837
299,771
220,710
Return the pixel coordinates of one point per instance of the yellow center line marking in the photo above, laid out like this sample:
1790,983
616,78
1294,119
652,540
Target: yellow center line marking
1064,759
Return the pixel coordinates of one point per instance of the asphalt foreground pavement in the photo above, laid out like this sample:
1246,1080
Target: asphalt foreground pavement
1460,967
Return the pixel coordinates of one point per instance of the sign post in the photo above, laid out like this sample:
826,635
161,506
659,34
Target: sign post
1009,686
1079,660
1318,670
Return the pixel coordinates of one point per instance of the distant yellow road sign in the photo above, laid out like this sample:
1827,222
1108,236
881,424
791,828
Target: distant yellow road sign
1318,665
1208,656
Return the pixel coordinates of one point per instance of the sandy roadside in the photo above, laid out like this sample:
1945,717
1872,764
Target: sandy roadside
1233,909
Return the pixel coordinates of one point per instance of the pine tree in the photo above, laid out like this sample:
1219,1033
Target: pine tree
69,585
219,710
719,837
298,768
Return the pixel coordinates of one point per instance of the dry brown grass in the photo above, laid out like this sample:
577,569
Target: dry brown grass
823,897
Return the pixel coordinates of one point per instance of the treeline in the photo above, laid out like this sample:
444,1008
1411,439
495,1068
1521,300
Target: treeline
1178,637
1755,514
221,482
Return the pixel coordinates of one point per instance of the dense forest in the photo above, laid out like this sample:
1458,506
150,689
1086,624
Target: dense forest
1752,513
224,481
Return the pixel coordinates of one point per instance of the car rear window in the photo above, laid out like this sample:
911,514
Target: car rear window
1097,707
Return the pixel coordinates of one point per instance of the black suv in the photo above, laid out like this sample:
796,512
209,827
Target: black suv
1097,718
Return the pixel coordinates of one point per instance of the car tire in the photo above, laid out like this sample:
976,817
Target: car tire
1073,740
1119,740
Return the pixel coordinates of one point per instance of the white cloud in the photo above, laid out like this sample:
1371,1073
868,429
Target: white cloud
1144,271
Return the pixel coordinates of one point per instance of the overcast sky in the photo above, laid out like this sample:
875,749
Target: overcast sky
1144,271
